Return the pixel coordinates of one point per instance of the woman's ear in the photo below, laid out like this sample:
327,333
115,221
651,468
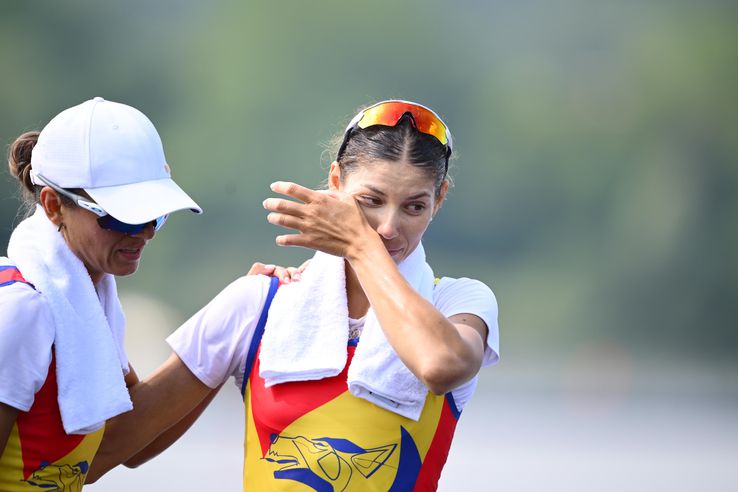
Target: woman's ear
334,176
51,203
441,197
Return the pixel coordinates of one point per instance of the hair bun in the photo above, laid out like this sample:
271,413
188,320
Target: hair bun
19,159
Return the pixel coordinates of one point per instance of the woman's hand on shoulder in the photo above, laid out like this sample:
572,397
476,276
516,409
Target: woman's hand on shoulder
328,221
284,274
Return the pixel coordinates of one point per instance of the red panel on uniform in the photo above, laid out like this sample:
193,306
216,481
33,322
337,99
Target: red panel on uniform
438,452
304,397
52,442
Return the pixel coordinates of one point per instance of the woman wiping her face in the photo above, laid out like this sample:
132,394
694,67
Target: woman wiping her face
355,377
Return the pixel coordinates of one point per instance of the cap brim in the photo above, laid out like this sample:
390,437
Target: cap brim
139,203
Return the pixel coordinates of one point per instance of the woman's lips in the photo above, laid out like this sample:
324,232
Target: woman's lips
131,253
395,252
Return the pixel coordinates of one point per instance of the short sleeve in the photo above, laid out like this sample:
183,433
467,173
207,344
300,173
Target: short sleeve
464,295
213,343
26,337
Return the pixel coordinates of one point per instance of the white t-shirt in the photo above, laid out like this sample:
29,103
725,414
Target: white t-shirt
26,336
214,342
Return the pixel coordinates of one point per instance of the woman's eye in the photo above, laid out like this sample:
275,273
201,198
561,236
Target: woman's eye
416,208
369,200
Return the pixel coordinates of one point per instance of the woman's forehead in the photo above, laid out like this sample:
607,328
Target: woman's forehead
399,175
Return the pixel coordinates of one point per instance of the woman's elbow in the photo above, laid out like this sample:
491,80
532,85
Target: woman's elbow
438,388
93,475
438,385
135,462
445,376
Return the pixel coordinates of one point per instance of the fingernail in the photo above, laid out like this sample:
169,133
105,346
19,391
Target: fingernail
270,267
264,203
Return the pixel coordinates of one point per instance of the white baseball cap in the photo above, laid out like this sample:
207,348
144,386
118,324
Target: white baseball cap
114,153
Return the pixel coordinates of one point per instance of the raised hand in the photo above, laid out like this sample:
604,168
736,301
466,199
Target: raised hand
328,221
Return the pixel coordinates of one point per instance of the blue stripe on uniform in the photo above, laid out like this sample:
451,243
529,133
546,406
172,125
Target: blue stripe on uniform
259,332
452,405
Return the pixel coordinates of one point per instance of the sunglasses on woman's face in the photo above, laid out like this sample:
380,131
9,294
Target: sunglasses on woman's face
389,113
105,220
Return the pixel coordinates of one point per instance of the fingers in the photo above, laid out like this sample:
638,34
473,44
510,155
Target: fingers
284,274
316,217
300,240
261,269
302,267
286,221
294,190
283,206
294,273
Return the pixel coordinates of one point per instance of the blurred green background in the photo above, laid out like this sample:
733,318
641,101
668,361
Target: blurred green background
595,173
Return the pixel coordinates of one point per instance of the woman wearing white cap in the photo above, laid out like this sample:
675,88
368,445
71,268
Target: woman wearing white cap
99,188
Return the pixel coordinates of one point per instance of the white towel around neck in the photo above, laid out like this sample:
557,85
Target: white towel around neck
89,325
307,333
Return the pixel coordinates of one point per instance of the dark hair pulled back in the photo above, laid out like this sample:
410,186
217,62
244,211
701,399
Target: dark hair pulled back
395,143
19,164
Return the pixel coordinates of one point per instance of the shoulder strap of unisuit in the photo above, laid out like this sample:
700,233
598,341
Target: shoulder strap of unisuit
10,275
259,332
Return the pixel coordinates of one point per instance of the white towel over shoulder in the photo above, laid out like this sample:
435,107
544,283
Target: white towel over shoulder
307,332
377,374
90,326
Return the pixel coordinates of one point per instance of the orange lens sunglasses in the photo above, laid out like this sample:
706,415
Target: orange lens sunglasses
389,113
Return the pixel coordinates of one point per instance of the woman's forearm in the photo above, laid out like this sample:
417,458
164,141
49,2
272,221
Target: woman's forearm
442,353
171,435
159,402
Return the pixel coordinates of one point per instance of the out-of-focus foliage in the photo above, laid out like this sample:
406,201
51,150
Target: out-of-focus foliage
595,178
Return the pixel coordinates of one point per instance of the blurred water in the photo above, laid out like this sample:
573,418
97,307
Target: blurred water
529,443
589,423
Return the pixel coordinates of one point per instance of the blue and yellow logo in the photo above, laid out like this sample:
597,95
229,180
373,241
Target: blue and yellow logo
332,464
62,478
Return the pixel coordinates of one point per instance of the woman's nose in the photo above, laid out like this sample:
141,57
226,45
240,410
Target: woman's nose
388,226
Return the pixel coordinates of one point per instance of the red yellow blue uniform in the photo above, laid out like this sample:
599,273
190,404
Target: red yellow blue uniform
315,435
39,455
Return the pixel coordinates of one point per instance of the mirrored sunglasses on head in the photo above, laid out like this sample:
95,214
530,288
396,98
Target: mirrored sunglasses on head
105,220
389,113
